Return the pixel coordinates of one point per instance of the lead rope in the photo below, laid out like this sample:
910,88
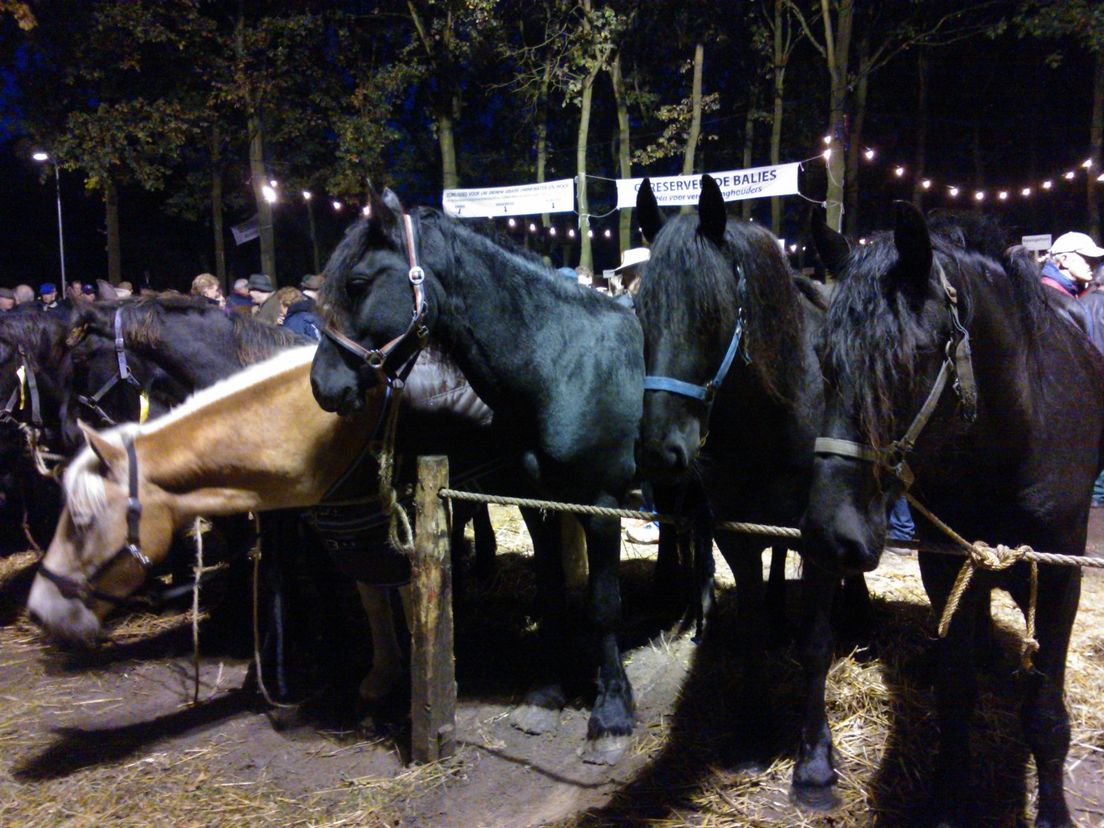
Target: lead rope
993,559
195,609
255,554
388,497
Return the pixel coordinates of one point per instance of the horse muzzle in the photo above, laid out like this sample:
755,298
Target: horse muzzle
65,620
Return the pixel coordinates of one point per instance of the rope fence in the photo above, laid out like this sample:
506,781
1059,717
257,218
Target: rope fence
742,527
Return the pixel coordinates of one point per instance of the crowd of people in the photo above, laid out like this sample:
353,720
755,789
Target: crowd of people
292,307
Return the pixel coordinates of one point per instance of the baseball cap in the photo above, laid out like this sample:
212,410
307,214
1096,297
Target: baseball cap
1080,243
88,289
633,256
46,287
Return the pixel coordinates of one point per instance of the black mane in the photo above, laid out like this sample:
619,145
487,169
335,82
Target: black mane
41,335
876,336
706,298
143,322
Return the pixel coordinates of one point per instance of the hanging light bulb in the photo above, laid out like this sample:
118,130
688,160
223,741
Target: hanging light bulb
607,233
827,154
868,154
926,183
307,195
1048,184
952,192
268,193
272,183
1003,195
366,211
862,240
511,222
1025,192
979,195
1069,175
571,232
827,140
1087,163
898,171
590,234
337,206
552,230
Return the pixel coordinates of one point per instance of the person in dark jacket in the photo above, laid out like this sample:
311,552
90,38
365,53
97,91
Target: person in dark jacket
301,318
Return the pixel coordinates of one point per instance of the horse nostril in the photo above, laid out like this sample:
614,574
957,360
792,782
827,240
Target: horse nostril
676,455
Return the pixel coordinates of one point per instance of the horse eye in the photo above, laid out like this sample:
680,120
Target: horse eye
356,288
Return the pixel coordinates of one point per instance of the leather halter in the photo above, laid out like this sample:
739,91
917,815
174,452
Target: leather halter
85,590
957,361
377,358
26,378
706,392
124,375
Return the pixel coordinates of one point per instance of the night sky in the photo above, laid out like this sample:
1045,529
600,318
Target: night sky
1029,120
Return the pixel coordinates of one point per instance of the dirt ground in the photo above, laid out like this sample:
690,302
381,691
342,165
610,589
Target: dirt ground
114,738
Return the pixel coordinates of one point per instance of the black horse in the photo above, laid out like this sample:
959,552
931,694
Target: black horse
559,364
168,347
734,392
1009,455
32,346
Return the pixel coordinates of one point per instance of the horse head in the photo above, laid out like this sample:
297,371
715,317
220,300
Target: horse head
892,339
716,300
32,347
114,528
379,303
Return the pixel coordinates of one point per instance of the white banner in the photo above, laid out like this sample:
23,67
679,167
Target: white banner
736,185
1040,241
523,200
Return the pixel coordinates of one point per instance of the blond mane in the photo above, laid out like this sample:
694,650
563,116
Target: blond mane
83,482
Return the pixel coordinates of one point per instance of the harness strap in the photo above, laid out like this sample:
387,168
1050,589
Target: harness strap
95,401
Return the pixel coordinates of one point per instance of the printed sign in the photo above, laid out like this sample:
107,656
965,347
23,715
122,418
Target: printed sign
1040,241
523,200
736,185
246,231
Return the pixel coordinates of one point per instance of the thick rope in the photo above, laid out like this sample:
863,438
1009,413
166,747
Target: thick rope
388,497
734,526
197,574
992,559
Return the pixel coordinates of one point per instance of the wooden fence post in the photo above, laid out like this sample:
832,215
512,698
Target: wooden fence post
432,668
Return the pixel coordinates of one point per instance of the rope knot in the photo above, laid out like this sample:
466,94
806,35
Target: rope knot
996,558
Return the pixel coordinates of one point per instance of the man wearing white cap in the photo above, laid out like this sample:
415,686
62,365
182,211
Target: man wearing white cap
629,270
1067,268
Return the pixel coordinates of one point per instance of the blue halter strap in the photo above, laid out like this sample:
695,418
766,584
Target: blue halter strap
707,392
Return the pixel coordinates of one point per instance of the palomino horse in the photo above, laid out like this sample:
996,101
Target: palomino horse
1001,406
560,365
198,461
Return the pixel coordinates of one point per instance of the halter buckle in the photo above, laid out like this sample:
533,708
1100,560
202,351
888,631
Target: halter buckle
137,554
375,359
417,275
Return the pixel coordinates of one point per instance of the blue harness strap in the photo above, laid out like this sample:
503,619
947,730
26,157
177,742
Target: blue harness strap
706,392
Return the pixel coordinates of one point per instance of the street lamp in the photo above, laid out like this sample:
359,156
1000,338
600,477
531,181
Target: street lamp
41,158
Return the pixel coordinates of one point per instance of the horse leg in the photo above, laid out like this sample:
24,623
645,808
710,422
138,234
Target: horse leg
814,776
387,659
853,609
611,721
775,600
541,708
1043,716
486,546
951,802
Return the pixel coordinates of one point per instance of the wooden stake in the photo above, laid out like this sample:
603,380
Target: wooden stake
432,667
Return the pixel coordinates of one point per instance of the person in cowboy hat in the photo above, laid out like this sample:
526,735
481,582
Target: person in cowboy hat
628,272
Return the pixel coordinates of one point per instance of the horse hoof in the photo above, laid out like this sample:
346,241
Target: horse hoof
535,720
810,798
605,750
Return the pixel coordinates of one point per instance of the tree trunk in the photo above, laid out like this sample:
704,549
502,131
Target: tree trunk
586,258
450,179
623,148
776,117
921,127
542,134
854,147
695,111
264,209
838,45
749,143
114,251
1096,139
216,210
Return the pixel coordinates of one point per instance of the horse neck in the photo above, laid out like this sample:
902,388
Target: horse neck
265,446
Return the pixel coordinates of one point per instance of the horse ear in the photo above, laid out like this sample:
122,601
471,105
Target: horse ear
110,454
380,213
712,216
648,215
913,243
832,247
392,201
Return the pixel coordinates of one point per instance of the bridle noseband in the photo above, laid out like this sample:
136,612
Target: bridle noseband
85,590
957,361
124,374
378,359
706,393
